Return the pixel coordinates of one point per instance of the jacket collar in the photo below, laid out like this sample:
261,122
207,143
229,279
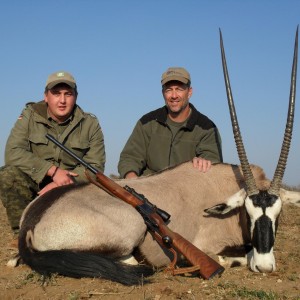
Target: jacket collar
40,108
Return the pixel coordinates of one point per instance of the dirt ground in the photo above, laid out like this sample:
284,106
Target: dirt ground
235,283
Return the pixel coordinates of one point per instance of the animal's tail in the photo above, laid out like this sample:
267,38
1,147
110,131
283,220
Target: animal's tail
82,264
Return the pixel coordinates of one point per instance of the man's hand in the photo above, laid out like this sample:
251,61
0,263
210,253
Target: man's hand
130,175
203,165
60,177
63,177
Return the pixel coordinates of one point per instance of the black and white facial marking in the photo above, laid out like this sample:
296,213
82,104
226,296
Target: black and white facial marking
263,210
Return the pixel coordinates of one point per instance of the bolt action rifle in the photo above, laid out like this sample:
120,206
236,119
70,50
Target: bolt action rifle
155,219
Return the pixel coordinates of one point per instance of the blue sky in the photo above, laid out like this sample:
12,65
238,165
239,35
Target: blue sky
117,51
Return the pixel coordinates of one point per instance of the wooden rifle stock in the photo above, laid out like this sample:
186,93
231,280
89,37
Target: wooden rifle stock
208,267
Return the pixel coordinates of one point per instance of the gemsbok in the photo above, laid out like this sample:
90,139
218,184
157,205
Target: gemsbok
82,231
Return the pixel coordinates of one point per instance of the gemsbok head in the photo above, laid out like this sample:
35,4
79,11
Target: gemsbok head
262,206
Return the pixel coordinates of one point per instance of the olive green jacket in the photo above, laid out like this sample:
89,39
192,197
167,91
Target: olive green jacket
152,146
28,149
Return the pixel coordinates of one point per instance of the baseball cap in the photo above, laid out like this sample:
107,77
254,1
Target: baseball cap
176,73
60,77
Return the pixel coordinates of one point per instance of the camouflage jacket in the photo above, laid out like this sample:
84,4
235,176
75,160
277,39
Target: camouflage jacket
28,149
153,147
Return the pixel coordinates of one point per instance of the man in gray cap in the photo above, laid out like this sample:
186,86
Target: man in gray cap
172,134
33,165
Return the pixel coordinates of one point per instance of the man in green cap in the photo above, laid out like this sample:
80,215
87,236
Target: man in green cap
34,165
172,134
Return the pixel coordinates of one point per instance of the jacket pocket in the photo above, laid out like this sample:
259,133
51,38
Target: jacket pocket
80,148
38,139
39,145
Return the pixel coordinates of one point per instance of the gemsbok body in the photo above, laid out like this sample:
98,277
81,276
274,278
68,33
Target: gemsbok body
81,230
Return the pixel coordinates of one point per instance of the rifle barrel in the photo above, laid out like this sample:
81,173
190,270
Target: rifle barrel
80,160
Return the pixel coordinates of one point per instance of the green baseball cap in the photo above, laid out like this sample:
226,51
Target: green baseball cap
177,74
60,77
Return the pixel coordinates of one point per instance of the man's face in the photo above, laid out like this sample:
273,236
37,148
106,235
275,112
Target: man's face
176,95
61,100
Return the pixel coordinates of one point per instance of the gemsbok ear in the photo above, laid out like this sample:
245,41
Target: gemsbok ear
219,209
234,201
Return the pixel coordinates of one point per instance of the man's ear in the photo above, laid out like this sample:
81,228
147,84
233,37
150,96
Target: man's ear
190,92
46,97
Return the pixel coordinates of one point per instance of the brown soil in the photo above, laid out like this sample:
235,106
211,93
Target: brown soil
235,283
